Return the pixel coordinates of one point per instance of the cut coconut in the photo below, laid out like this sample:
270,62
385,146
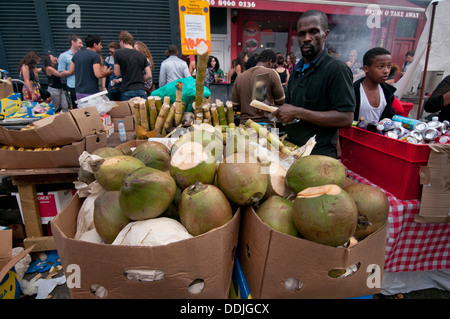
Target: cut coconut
311,192
277,181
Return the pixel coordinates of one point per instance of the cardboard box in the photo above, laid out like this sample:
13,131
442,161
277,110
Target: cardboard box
9,285
109,129
106,119
96,141
271,259
67,156
50,204
129,122
56,130
123,109
435,178
208,257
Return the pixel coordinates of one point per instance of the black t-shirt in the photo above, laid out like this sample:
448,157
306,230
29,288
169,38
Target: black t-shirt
326,85
132,64
85,80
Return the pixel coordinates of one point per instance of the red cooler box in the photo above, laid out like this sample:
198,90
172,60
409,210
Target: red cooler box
391,164
407,107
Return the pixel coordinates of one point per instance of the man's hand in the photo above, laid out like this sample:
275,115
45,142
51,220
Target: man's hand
286,113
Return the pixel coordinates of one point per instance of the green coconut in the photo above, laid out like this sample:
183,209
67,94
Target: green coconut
315,170
107,152
109,219
203,207
241,178
146,193
325,214
153,154
276,211
192,163
373,208
110,171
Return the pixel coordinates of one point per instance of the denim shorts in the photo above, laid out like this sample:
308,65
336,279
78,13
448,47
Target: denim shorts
133,93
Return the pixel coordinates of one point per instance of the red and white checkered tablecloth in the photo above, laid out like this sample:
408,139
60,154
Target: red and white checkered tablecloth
412,246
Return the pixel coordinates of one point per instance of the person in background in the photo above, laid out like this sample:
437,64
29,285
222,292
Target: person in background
219,76
55,88
355,65
439,100
142,47
64,60
392,74
282,71
133,66
113,82
374,97
251,62
241,93
172,68
87,67
242,59
232,71
319,92
409,60
30,74
291,60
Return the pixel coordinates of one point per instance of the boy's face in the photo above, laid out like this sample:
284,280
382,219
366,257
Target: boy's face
378,71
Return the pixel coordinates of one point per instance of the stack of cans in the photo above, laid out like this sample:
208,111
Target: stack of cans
415,132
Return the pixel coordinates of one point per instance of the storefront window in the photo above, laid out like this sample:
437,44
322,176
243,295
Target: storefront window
260,35
406,28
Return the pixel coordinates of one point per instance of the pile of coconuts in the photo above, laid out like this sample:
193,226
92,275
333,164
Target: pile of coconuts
326,208
201,181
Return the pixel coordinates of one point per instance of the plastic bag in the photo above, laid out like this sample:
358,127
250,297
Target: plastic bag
189,92
102,103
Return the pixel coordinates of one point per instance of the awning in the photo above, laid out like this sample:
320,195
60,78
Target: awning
387,8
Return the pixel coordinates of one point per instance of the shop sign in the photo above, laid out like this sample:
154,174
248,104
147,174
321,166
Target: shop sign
233,4
194,25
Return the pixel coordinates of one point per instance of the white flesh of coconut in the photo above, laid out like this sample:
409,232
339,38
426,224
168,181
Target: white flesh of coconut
189,155
317,191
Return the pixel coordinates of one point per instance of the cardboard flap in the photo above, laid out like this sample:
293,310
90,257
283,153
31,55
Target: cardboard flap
424,173
6,259
6,88
88,120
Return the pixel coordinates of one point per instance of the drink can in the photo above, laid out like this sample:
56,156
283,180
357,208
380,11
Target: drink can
391,134
418,136
400,131
430,135
388,124
444,139
420,127
435,124
411,139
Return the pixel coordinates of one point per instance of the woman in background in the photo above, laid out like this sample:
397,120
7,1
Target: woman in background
55,88
142,47
29,73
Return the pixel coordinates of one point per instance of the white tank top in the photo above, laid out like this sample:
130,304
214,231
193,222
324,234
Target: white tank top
369,112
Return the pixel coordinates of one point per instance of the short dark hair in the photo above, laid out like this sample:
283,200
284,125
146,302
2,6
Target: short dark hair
410,53
316,13
172,50
74,38
370,55
266,56
92,39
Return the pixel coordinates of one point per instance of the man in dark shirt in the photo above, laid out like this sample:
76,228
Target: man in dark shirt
320,92
87,67
133,66
439,101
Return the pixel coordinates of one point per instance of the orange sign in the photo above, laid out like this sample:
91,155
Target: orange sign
194,25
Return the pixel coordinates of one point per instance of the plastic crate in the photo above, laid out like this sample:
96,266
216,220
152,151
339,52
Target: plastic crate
391,164
407,107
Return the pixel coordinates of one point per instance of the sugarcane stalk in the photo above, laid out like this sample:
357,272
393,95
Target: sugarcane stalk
202,61
178,103
169,120
214,114
271,138
153,112
167,100
221,111
161,117
137,111
206,113
143,114
230,114
158,104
